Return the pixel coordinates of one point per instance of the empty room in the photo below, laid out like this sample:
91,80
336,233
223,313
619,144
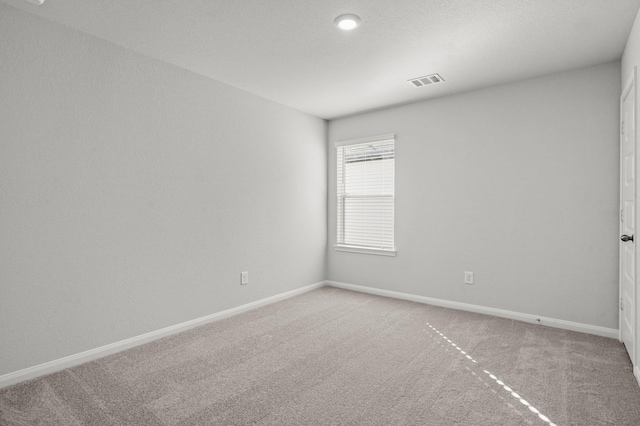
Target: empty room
245,212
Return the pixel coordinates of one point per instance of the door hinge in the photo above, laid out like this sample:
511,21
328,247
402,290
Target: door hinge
622,127
621,307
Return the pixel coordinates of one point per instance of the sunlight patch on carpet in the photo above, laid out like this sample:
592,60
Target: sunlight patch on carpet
492,376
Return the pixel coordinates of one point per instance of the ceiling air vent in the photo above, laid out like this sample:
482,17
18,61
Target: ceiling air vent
426,80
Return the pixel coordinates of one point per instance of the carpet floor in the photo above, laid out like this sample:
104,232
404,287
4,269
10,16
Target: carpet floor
335,357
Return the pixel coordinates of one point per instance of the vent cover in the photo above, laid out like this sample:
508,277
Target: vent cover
426,80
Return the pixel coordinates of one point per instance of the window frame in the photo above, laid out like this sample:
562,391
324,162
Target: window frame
357,248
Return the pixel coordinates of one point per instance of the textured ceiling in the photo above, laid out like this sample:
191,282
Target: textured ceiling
289,51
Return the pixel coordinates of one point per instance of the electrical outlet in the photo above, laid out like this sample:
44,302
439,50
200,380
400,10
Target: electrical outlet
244,278
468,277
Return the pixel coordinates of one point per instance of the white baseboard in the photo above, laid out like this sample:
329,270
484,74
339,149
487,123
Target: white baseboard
534,319
81,358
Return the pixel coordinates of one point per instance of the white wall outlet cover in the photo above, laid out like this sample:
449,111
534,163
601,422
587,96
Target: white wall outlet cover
468,277
244,278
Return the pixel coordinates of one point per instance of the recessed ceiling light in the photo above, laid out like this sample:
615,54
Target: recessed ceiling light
347,22
38,2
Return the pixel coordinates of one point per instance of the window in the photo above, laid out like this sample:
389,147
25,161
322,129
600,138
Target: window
366,195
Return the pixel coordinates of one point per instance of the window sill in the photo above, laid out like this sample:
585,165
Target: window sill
365,250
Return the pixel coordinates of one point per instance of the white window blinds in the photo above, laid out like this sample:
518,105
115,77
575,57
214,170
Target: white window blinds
366,193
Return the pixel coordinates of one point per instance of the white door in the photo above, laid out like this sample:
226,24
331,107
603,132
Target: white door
627,217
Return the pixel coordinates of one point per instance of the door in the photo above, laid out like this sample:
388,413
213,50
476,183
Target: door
628,217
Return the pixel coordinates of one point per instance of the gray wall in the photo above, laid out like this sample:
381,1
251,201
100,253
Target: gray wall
631,54
517,183
133,193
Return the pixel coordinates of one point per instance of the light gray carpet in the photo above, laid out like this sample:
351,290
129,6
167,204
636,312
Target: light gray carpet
334,357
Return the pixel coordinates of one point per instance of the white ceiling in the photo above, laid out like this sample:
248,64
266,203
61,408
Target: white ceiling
289,51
